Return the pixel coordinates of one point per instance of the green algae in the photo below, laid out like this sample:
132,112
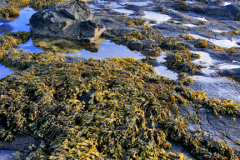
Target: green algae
130,115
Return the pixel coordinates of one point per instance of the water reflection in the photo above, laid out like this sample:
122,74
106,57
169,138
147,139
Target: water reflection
22,22
66,46
109,50
29,47
5,71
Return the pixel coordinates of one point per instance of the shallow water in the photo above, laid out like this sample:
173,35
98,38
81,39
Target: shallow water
136,3
222,43
5,71
108,50
206,61
126,11
22,22
29,47
162,70
7,155
156,16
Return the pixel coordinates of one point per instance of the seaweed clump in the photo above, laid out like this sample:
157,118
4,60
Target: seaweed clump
9,13
130,114
146,34
35,4
180,61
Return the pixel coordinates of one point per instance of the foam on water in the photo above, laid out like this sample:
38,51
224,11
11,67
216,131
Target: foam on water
5,71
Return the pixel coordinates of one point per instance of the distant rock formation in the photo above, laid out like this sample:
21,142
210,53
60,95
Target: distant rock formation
66,20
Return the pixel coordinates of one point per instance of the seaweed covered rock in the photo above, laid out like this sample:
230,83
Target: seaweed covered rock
126,112
66,20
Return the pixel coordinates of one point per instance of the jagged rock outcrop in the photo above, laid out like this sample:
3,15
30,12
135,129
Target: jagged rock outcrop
66,20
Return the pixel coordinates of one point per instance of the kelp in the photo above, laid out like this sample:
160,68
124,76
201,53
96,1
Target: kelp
180,61
130,114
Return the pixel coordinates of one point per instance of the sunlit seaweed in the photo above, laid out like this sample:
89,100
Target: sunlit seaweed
180,61
130,115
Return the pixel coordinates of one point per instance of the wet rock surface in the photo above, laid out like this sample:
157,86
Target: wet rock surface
134,32
63,20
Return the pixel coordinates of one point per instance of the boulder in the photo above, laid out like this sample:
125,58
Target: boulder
66,20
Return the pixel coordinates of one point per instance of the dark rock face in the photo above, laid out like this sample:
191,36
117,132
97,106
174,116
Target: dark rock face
234,73
234,11
66,20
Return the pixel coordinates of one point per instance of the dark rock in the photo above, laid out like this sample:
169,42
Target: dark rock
135,45
234,11
221,127
19,143
233,73
134,7
61,20
139,13
217,12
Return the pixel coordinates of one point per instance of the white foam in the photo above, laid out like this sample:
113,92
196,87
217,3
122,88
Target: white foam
222,43
156,16
5,71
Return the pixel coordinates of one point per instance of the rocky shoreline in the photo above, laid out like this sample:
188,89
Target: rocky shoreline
69,107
